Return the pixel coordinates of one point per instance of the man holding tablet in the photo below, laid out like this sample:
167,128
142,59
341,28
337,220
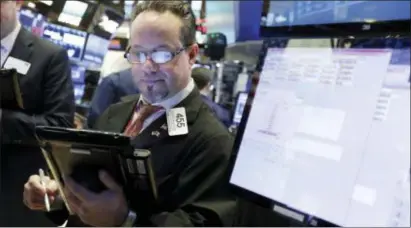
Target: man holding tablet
190,148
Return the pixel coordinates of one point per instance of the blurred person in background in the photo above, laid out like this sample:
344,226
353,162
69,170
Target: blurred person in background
202,78
110,91
48,98
190,151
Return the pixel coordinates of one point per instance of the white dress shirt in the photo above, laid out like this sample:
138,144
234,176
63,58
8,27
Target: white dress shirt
167,104
7,43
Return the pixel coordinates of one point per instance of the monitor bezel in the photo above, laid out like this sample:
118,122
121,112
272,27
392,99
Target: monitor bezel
254,197
402,27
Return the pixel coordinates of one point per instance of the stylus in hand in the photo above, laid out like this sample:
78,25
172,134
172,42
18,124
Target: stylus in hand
43,183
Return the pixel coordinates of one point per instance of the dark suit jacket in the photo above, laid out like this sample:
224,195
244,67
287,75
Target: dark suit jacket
190,169
49,100
111,89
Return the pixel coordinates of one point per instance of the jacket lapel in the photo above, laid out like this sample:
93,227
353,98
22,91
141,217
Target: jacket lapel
154,133
118,121
23,47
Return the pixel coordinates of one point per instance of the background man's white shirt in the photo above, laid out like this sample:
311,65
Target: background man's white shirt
7,43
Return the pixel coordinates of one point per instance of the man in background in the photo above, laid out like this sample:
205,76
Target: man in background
110,91
47,92
202,78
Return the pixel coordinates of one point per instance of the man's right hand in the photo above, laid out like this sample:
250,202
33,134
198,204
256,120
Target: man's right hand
34,192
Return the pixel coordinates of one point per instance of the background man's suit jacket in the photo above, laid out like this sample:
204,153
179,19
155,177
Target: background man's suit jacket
110,91
49,100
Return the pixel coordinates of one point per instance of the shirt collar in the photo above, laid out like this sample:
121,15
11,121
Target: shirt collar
8,41
169,103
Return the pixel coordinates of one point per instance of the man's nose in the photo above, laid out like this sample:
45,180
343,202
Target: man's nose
150,66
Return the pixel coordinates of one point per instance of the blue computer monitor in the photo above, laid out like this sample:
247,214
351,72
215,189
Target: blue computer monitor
239,107
78,92
325,137
78,74
73,40
334,18
295,13
96,49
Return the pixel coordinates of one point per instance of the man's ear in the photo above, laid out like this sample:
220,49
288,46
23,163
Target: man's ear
194,50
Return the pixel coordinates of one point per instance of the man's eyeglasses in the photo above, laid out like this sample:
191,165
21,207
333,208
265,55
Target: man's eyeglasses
159,57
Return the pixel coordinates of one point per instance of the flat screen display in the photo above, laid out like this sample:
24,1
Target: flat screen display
96,49
78,74
291,13
78,92
70,39
73,12
26,18
108,23
328,133
32,21
239,107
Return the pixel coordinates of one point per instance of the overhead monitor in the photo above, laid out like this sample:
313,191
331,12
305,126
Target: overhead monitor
72,40
334,18
47,2
325,137
73,12
291,13
109,21
96,49
239,107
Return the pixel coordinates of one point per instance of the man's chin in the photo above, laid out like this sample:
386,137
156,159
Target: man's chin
154,96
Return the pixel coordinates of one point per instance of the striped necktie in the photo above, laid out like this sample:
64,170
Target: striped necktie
135,125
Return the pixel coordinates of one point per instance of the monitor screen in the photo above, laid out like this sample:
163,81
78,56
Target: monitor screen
26,17
71,39
108,22
291,13
96,49
31,20
73,12
78,74
78,92
327,133
239,107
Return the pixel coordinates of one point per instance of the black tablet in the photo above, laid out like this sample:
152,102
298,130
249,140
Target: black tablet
10,94
81,154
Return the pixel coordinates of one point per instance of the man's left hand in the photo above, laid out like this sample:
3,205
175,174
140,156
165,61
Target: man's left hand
108,208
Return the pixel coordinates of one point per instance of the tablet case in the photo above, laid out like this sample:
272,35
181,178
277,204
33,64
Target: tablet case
10,93
82,153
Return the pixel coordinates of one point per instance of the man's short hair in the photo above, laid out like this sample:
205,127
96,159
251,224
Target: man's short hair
202,77
181,9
